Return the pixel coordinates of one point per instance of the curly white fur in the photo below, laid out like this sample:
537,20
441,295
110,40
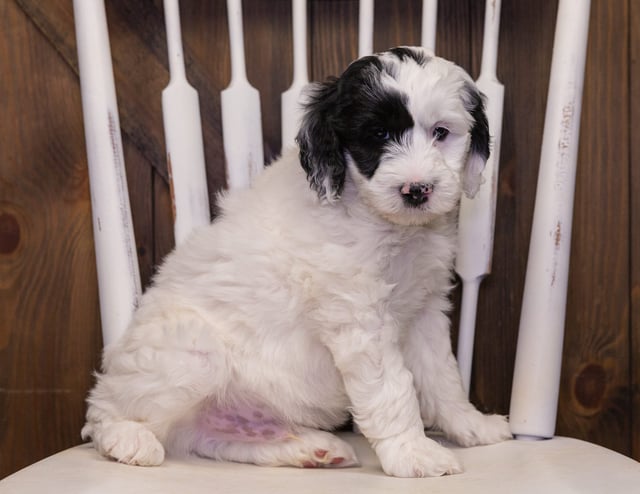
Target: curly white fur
290,311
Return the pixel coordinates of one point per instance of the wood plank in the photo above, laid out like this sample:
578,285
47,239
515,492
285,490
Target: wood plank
140,175
333,38
55,21
206,42
139,102
163,240
397,23
634,222
453,39
135,28
49,328
146,73
268,44
595,394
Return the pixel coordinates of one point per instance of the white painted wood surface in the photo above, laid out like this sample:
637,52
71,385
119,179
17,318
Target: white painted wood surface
241,117
292,97
558,466
429,24
116,255
477,216
536,379
365,27
183,136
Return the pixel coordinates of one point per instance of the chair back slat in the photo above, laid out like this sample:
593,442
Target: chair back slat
241,116
536,380
116,255
476,221
291,98
365,28
429,24
183,136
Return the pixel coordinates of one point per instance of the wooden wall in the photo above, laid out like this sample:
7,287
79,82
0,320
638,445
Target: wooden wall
49,321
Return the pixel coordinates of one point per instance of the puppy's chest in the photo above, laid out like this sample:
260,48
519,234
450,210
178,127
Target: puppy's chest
417,269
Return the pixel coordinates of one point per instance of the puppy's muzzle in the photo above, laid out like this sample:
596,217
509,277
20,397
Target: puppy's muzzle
415,194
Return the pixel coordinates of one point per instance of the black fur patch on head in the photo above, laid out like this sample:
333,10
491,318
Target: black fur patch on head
321,153
404,52
353,114
480,138
375,118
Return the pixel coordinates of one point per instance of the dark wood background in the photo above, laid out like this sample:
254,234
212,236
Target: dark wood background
49,327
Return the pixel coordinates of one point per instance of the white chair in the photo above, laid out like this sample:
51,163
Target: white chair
554,464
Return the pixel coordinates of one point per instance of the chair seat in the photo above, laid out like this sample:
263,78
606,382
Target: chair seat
559,465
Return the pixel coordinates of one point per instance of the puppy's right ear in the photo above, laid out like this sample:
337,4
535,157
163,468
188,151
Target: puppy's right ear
321,153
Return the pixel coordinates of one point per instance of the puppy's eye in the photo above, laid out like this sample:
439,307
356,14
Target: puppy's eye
381,134
440,133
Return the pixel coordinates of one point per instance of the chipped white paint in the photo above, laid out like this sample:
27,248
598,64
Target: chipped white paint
183,136
291,98
116,257
241,118
477,215
536,377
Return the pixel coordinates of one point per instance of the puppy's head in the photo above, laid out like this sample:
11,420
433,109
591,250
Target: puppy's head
409,129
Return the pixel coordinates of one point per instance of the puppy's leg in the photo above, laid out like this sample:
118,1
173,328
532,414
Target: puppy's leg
126,441
125,427
154,377
443,401
384,401
306,448
247,430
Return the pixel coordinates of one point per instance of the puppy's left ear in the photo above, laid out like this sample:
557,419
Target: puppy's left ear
321,152
480,142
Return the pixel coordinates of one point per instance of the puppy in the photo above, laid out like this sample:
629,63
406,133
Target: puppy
320,291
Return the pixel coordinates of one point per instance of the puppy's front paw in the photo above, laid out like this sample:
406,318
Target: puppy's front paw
129,442
479,429
416,457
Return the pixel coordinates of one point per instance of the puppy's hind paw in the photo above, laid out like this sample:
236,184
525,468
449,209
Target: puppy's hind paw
309,448
130,443
483,429
322,449
496,429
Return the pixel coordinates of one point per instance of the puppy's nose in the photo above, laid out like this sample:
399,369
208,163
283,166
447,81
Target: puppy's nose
416,193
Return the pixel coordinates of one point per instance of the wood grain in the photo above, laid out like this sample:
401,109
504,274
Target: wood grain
333,37
49,321
595,388
48,297
634,222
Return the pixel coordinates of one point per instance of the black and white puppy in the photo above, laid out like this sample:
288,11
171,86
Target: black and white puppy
301,304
